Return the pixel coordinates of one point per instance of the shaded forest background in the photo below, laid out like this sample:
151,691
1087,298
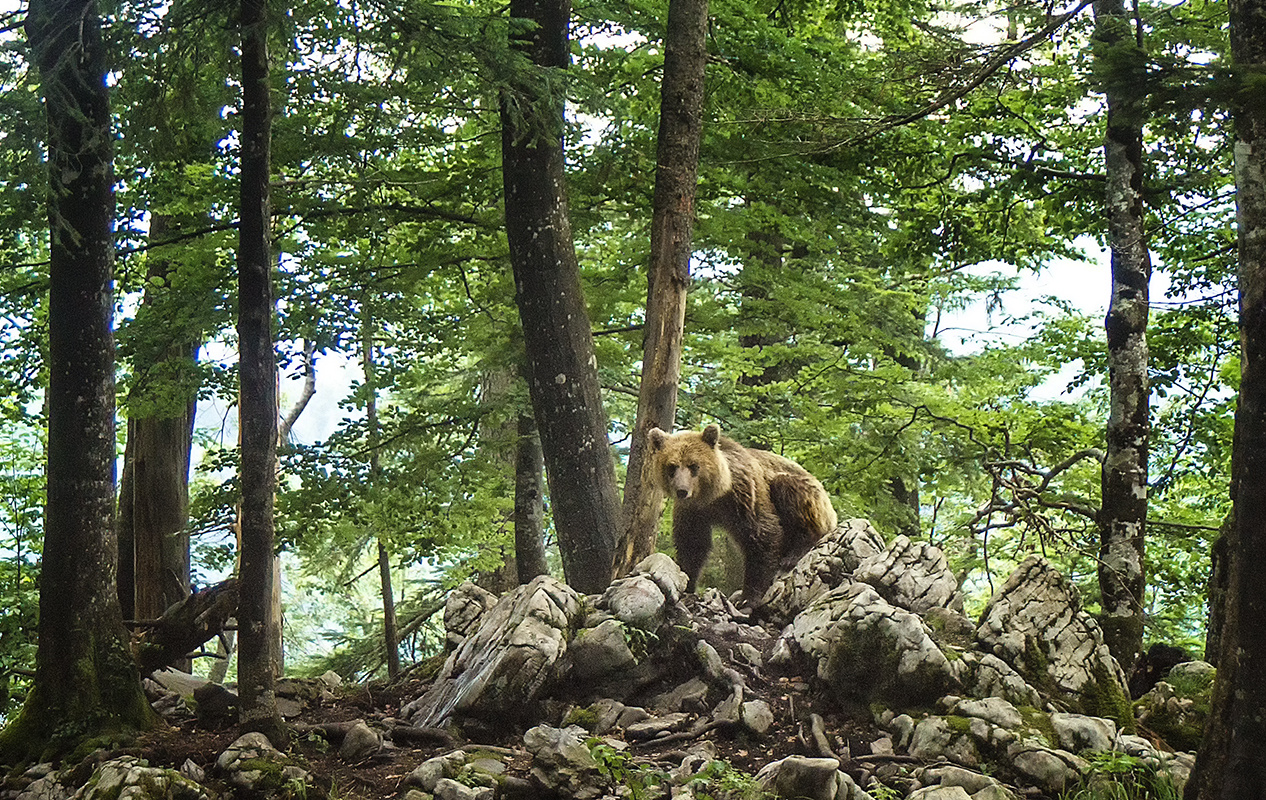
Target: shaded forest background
866,170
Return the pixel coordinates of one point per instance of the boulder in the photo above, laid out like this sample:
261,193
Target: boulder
827,565
252,765
1035,624
505,664
809,779
130,777
562,764
1177,708
867,649
911,575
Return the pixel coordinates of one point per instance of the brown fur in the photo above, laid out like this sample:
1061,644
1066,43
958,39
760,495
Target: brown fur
772,507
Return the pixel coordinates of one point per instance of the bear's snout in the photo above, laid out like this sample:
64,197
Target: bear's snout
683,494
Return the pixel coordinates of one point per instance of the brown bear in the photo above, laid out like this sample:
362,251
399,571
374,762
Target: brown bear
772,507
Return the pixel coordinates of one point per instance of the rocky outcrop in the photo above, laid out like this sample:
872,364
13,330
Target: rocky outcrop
1035,623
829,564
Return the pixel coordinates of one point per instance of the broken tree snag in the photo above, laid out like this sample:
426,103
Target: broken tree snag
184,627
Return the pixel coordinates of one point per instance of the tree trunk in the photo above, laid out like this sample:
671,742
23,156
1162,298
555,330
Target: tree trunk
562,365
390,635
1123,514
672,222
529,503
256,659
154,500
1231,763
86,683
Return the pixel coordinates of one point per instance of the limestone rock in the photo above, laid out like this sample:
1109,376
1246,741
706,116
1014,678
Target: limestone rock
600,651
1077,732
757,716
506,663
940,793
463,610
644,598
911,575
131,778
827,565
252,764
1036,624
868,649
359,743
427,775
1053,771
1177,708
562,763
809,779
986,675
936,738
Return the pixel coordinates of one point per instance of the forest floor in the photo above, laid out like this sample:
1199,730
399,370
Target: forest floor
850,732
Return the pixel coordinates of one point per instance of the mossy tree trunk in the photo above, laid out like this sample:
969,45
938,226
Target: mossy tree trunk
257,660
1231,763
86,683
1123,512
672,224
562,366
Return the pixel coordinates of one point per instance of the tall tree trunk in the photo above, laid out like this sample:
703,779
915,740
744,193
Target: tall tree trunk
1231,764
257,623
562,365
529,502
85,679
672,223
1123,514
154,500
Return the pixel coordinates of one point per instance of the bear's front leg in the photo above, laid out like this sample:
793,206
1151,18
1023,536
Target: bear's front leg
692,536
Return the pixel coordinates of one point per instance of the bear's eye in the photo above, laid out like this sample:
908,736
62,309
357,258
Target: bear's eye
694,469
670,469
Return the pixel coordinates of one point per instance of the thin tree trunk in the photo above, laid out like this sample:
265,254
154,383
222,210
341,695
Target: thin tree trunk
672,223
390,634
1123,514
562,365
85,679
529,503
257,666
1231,764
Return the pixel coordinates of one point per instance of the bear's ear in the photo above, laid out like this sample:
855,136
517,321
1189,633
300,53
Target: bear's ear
712,435
657,438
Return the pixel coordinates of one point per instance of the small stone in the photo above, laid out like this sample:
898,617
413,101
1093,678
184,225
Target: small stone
757,716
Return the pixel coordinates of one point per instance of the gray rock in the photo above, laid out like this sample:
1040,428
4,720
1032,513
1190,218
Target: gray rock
658,726
1077,732
449,789
644,597
691,696
45,787
993,710
280,776
994,792
600,651
508,661
1052,771
463,610
801,777
1177,708
867,649
427,775
939,793
985,675
911,575
562,763
970,780
192,771
359,743
1036,624
935,738
757,716
129,777
827,565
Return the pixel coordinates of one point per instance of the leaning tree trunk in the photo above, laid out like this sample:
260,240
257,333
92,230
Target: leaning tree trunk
529,503
86,683
1232,761
672,221
562,365
1123,514
257,623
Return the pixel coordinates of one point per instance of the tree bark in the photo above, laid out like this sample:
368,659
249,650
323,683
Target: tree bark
154,500
1123,514
562,365
86,683
1232,762
529,503
257,664
672,223
390,635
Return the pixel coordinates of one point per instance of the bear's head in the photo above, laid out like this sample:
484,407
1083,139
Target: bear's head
689,465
